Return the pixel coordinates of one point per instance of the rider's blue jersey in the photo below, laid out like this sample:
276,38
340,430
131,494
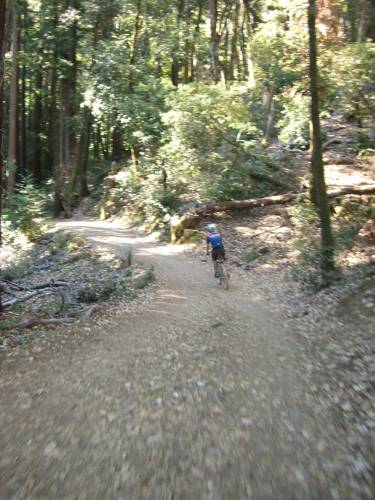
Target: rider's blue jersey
216,240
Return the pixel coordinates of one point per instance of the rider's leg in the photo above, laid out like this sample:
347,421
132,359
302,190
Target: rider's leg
216,269
216,266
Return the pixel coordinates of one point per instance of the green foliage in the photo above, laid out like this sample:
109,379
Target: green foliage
26,208
129,97
210,141
251,255
145,280
350,217
64,240
294,122
15,271
97,291
307,244
352,91
278,58
125,258
144,191
210,150
306,270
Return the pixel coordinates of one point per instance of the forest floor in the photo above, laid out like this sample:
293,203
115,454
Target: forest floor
194,392
263,391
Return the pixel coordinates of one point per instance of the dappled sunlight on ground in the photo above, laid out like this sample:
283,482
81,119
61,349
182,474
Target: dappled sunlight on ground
342,175
161,250
98,232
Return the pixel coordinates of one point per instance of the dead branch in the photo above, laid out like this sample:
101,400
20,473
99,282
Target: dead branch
90,311
52,284
23,287
30,322
11,303
44,289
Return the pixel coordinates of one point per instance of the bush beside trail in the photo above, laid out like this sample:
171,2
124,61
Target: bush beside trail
61,278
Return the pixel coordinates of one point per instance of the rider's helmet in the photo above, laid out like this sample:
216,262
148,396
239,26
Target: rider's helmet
211,228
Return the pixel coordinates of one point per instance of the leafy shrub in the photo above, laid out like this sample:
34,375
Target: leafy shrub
350,217
143,191
15,271
212,146
306,221
65,240
145,279
26,208
306,270
60,240
210,151
96,292
294,123
253,254
353,92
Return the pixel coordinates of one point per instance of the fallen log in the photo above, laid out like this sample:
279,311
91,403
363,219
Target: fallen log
277,199
30,322
335,140
188,220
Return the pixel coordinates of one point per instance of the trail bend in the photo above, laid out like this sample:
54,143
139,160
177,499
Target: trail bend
199,394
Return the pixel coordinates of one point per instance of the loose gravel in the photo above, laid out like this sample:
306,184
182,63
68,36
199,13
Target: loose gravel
192,392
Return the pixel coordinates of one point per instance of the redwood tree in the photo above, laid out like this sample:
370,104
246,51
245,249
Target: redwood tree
13,104
317,168
2,30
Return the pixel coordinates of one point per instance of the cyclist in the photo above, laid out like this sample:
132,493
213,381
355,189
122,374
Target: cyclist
214,239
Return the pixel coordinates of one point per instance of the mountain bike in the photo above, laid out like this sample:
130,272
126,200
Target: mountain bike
223,273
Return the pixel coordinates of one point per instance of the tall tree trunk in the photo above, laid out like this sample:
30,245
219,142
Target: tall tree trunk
80,164
13,107
117,143
55,123
136,32
59,156
234,42
193,63
37,171
214,40
226,63
327,243
23,134
2,50
187,44
362,21
175,66
84,191
243,46
67,148
270,109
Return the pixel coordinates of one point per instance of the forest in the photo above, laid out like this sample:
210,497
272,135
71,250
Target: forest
131,365
157,107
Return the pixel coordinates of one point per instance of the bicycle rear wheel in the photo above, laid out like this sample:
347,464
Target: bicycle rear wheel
224,276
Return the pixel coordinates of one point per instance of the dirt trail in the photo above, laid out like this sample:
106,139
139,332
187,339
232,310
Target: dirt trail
199,394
